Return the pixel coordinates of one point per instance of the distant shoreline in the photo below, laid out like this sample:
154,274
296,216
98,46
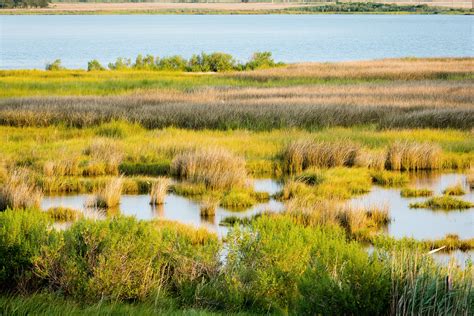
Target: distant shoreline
84,8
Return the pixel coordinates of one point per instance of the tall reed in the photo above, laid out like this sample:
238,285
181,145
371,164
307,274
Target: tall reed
405,155
108,196
159,189
216,168
302,154
18,191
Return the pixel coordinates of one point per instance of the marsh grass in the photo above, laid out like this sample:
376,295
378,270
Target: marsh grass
303,154
389,178
454,190
63,214
106,156
414,192
404,155
444,202
108,196
159,190
208,206
216,168
19,192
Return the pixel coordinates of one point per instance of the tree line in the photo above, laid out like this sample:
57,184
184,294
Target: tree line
8,4
214,62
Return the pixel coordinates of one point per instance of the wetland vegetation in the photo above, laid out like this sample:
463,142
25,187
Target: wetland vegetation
329,133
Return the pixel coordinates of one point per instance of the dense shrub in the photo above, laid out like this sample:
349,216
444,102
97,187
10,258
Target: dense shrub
7,4
23,233
94,65
175,62
55,65
216,62
277,265
124,259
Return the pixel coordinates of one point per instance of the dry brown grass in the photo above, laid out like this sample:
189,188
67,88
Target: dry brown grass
216,168
303,154
405,155
394,69
105,157
19,192
108,196
159,189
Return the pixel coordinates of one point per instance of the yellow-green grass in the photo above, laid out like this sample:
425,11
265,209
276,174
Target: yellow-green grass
150,152
63,214
444,202
389,178
415,192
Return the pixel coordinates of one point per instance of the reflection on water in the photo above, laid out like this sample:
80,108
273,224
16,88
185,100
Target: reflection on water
423,223
176,208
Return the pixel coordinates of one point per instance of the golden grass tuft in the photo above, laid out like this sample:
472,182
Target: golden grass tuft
302,154
19,192
159,189
108,196
405,155
216,168
444,202
208,206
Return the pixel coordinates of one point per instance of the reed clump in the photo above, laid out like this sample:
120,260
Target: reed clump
64,214
405,155
456,189
106,156
159,190
63,167
414,192
108,196
18,191
444,202
208,206
217,168
303,154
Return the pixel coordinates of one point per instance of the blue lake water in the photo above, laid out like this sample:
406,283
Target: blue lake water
32,41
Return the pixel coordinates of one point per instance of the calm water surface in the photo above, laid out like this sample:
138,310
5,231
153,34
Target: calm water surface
32,41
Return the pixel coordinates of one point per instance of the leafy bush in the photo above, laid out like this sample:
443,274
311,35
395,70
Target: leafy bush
260,60
276,265
175,62
23,233
55,65
94,65
120,64
215,62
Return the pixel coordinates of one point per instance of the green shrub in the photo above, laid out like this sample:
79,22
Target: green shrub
23,234
94,65
260,60
125,259
174,63
147,62
55,65
216,62
120,64
278,266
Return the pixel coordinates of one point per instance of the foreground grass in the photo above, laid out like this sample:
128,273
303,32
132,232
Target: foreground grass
277,264
50,304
